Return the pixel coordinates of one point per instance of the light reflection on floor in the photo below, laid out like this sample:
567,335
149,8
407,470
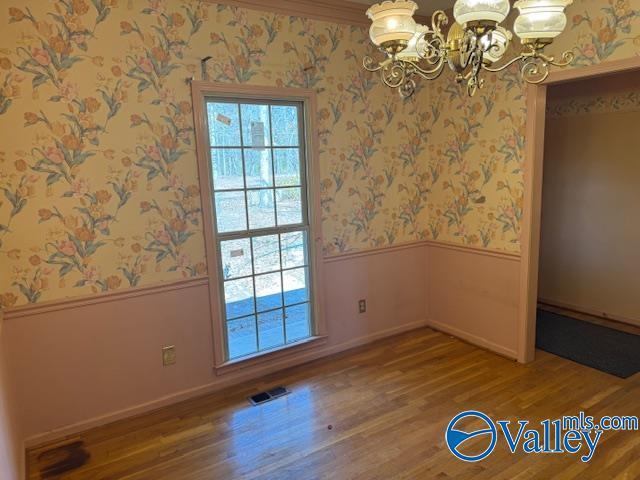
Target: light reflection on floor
261,432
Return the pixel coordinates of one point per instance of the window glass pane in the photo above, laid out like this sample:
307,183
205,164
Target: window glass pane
271,329
268,291
289,203
297,322
295,286
238,297
266,254
294,247
242,336
257,165
230,211
227,168
236,258
287,166
224,124
255,125
261,209
284,121
258,162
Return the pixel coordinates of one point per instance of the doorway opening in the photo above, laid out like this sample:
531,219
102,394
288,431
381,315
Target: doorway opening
579,262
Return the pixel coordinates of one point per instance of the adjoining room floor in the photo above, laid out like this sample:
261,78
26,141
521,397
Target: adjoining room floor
597,346
388,405
623,327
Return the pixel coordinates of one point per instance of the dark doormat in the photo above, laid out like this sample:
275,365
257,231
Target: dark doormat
595,346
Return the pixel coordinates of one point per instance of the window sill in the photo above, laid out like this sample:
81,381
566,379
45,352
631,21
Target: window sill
270,355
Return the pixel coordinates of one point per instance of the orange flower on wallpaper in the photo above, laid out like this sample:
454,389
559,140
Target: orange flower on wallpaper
604,31
8,300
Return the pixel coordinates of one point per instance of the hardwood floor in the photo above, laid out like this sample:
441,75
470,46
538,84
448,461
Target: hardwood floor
378,412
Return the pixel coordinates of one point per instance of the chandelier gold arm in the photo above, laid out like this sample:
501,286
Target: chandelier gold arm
371,65
396,73
439,19
505,65
535,64
399,73
428,73
434,48
407,88
567,58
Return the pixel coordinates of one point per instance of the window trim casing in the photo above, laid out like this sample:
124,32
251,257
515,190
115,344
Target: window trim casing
200,90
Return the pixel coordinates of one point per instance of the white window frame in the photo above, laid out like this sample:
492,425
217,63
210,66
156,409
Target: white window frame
202,91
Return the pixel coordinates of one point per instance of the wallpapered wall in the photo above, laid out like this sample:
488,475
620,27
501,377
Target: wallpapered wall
613,94
478,146
98,174
98,183
590,192
606,103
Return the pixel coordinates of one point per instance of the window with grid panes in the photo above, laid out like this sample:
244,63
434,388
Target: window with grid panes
261,215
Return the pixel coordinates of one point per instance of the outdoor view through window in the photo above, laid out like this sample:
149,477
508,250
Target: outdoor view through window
261,221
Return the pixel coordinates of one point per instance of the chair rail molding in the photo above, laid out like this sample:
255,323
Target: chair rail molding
84,300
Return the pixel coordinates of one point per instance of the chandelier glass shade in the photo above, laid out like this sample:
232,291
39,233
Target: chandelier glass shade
466,11
474,42
540,18
392,22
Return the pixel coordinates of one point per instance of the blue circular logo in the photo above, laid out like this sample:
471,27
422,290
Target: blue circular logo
456,437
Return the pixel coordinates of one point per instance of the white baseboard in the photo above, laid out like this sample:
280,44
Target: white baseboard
372,337
474,339
219,384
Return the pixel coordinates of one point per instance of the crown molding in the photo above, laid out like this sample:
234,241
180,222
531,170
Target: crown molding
336,11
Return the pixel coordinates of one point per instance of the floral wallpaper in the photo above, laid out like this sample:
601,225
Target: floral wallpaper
478,145
478,148
98,175
607,102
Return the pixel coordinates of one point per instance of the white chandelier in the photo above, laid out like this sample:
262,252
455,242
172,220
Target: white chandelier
475,42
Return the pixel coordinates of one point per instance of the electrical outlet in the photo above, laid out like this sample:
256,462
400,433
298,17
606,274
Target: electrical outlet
362,305
168,355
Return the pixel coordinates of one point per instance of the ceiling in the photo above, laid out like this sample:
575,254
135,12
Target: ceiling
425,7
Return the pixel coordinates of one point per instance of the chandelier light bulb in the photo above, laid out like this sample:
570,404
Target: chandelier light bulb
540,19
481,11
392,22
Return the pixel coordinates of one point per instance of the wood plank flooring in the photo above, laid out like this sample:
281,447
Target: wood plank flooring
377,412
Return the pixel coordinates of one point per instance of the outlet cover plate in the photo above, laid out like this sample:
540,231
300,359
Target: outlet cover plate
362,306
168,355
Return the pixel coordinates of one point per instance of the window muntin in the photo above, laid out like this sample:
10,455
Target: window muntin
261,221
